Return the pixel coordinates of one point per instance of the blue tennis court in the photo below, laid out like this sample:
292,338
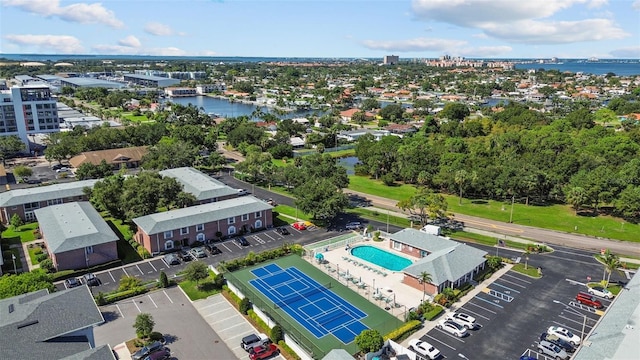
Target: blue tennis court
310,303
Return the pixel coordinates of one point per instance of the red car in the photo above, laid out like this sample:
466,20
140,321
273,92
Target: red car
264,351
299,226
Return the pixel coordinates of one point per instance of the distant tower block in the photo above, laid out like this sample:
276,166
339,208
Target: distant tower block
390,60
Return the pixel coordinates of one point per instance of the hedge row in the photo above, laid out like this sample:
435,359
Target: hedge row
252,258
103,299
433,313
404,331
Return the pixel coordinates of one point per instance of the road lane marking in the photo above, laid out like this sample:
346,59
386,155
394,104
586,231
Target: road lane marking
269,236
232,326
508,288
134,303
483,308
512,283
579,322
167,295
493,226
443,343
575,261
511,275
120,311
154,303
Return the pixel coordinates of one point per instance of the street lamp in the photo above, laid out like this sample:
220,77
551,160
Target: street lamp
584,321
13,257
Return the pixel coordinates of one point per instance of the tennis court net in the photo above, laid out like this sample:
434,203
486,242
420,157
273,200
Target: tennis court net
302,295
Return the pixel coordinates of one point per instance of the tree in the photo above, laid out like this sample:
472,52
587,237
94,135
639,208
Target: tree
392,112
369,341
454,111
13,285
22,172
10,145
277,334
164,281
494,261
196,271
90,171
576,196
370,104
462,179
144,325
424,204
425,278
16,221
321,199
129,283
611,263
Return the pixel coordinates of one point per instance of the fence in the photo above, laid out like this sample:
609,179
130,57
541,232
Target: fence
334,243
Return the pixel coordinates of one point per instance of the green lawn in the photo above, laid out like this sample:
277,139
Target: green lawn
380,215
126,252
288,210
32,254
530,270
555,217
207,288
24,233
134,118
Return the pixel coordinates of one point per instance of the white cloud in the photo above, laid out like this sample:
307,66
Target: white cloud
63,44
520,21
83,13
482,51
417,44
636,5
130,41
480,36
158,29
128,50
627,52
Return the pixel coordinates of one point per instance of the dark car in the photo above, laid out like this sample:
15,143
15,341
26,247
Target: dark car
566,346
282,231
242,241
212,249
90,279
33,181
57,166
71,283
147,350
185,255
162,354
172,259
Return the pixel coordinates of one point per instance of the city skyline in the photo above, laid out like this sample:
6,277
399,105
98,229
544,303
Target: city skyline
324,28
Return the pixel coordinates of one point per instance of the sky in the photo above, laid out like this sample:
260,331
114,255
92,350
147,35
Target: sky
535,29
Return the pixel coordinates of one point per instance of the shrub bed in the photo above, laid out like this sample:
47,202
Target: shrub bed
433,313
404,331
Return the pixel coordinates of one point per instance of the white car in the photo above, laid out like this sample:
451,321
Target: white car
452,328
423,348
355,225
552,350
463,319
600,291
564,334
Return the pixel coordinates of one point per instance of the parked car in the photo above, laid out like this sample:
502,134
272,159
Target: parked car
251,341
33,181
423,348
147,350
242,192
185,255
465,320
552,350
589,300
600,291
564,345
564,334
452,328
90,279
62,169
282,231
172,259
57,166
161,354
212,249
240,240
271,202
264,351
526,357
71,283
198,252
354,225
299,226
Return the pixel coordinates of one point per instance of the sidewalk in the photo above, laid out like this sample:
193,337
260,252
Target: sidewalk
429,325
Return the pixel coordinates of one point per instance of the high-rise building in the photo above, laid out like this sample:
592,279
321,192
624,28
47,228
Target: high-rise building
391,59
27,110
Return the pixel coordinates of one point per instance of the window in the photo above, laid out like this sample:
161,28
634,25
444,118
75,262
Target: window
29,216
168,245
200,227
231,220
33,205
88,250
184,231
258,214
200,237
397,245
258,224
54,202
232,230
168,234
245,217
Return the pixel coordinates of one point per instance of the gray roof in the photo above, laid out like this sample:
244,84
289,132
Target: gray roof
199,214
617,333
43,193
91,82
40,325
99,353
338,354
448,260
73,226
199,184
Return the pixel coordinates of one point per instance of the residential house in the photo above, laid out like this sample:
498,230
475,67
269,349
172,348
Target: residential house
354,135
164,231
205,188
449,262
401,129
24,201
76,236
130,157
59,325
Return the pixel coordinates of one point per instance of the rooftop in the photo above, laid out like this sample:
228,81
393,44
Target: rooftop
199,184
43,193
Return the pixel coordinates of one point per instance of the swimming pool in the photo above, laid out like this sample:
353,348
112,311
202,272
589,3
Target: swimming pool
380,257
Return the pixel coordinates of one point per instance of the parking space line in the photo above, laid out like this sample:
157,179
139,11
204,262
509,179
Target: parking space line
165,262
120,311
576,331
258,239
232,326
516,277
134,303
141,272
575,321
492,302
476,314
154,268
512,283
125,272
449,335
216,312
483,308
225,246
112,278
445,344
227,318
508,288
154,303
167,296
269,236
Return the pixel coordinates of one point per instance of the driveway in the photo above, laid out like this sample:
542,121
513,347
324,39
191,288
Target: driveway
188,335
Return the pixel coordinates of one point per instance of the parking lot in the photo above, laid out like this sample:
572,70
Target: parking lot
188,335
515,310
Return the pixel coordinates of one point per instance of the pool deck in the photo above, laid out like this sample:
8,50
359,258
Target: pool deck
367,279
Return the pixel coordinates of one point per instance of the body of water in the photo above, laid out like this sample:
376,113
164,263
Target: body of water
381,257
348,163
226,108
596,68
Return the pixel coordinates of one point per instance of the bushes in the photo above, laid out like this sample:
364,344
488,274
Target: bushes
245,305
259,322
47,265
156,336
232,295
285,348
110,298
252,258
164,281
404,331
433,313
277,334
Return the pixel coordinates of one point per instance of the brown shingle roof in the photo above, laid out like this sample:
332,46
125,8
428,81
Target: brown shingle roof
111,156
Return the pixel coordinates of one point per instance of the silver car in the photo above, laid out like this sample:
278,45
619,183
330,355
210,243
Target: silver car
552,350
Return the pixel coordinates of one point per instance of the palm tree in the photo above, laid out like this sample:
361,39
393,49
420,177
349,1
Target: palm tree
425,278
611,262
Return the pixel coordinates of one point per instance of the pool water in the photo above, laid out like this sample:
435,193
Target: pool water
380,257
